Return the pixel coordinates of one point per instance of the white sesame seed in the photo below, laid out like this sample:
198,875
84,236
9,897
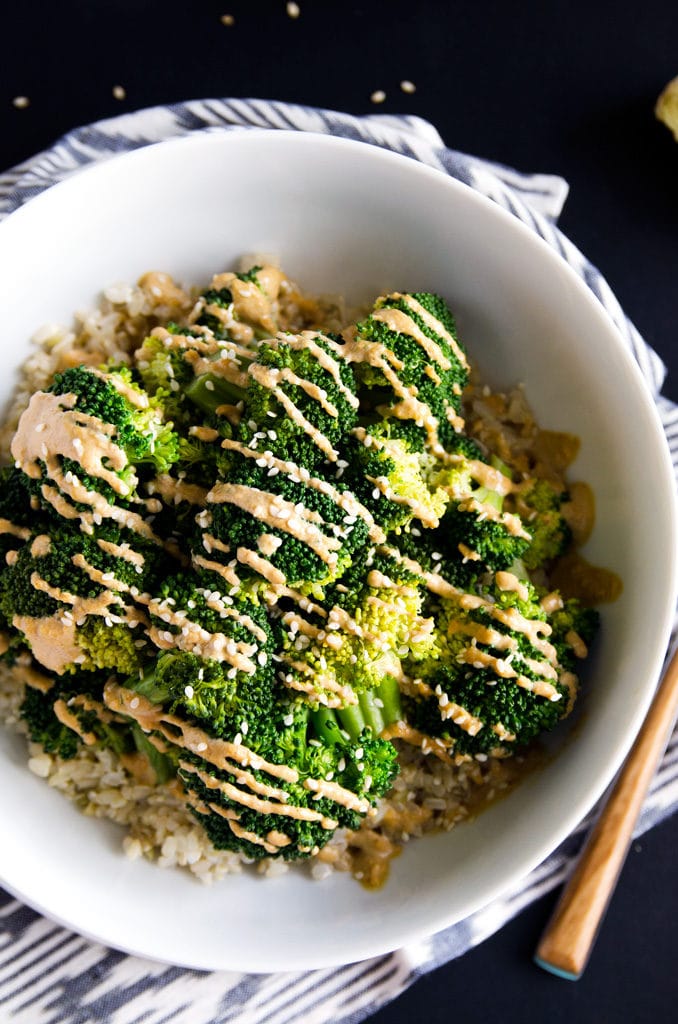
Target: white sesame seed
189,691
408,86
378,96
293,10
209,385
119,92
21,102
227,19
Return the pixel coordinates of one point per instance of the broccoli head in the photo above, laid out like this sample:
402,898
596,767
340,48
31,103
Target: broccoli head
270,521
72,597
494,680
411,366
301,786
540,505
82,442
392,479
216,664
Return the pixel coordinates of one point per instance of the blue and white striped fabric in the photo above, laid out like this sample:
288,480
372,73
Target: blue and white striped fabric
49,975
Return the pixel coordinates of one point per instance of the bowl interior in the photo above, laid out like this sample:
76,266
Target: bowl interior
346,217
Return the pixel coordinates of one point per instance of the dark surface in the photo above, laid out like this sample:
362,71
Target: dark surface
564,87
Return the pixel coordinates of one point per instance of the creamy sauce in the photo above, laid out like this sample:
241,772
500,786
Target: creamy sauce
51,427
22,532
71,721
287,516
192,637
175,491
344,499
52,640
376,354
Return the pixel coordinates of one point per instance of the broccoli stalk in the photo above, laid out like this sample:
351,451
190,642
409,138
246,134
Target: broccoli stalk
376,709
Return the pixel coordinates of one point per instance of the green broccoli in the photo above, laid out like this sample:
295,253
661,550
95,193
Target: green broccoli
575,627
70,713
275,522
393,480
18,517
302,785
346,652
216,664
72,596
297,400
165,371
410,366
495,680
114,397
241,306
81,443
540,505
476,527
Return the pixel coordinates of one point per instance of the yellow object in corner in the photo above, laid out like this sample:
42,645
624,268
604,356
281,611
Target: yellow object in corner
666,107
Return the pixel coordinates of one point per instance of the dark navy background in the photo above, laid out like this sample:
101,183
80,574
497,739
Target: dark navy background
544,85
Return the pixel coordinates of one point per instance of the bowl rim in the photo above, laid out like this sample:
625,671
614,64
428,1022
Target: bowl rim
589,796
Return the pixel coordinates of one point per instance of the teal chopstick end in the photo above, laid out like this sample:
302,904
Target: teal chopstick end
558,971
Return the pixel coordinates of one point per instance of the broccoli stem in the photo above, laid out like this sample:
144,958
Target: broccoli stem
150,687
367,702
326,727
352,720
389,693
209,391
161,765
376,709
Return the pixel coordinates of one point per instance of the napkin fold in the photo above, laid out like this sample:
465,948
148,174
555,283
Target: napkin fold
49,975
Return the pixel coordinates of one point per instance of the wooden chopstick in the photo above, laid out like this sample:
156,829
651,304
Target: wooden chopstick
569,937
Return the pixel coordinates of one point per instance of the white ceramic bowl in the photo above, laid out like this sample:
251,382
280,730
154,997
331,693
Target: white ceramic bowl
348,217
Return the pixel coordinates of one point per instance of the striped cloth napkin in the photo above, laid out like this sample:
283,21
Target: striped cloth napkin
49,975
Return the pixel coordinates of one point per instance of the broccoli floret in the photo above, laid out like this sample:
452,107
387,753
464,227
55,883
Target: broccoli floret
340,651
392,479
495,680
71,713
479,530
217,661
291,813
540,506
17,514
72,597
298,399
81,443
575,627
113,396
280,527
411,366
241,306
37,711
165,372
